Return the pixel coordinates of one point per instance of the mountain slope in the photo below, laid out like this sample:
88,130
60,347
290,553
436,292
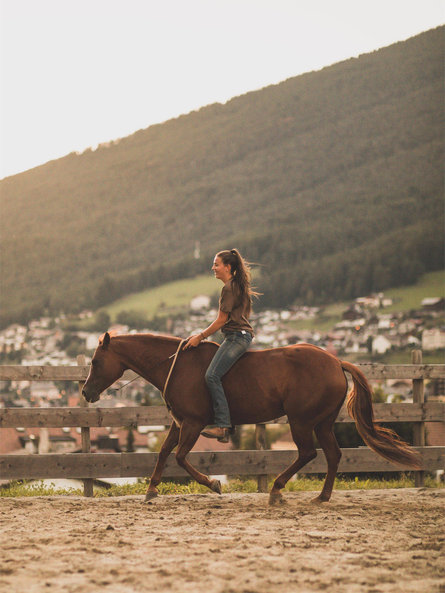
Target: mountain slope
332,180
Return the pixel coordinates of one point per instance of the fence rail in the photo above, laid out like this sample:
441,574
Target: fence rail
260,462
119,465
158,415
373,371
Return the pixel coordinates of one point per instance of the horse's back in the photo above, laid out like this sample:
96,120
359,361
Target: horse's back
263,384
302,358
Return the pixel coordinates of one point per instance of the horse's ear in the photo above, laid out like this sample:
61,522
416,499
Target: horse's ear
106,340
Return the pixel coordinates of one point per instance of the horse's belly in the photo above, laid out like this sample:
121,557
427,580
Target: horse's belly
252,400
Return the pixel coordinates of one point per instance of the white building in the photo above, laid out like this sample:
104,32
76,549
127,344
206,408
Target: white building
380,345
433,339
200,302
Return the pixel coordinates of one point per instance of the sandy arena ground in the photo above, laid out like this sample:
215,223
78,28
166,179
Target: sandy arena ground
379,541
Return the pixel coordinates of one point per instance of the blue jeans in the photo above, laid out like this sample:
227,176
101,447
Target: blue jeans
233,347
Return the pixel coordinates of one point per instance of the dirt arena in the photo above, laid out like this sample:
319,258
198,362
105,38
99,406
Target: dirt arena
377,541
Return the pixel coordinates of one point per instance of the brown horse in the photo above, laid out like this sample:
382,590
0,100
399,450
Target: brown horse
303,382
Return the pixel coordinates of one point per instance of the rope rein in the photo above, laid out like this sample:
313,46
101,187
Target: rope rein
174,356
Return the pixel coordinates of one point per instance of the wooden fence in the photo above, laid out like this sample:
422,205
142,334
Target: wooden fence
259,462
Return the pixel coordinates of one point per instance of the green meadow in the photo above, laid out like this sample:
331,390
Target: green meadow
167,299
406,298
174,297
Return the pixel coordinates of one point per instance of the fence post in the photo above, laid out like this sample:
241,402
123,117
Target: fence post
260,444
85,432
419,427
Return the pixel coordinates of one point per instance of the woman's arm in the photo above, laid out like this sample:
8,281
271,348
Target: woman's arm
195,339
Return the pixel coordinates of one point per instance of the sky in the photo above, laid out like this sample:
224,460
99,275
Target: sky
74,74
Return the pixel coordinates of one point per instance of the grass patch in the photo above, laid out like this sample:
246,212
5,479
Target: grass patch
300,484
406,298
324,322
397,357
436,357
167,299
37,489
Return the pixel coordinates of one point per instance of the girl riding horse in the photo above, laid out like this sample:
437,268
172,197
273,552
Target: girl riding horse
234,310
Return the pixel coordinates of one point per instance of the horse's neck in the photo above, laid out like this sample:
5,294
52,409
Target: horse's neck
145,354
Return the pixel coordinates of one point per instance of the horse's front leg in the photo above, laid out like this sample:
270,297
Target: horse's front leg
190,431
170,442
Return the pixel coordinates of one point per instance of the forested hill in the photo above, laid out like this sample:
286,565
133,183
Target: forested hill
332,180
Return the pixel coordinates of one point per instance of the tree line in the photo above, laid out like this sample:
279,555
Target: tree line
331,181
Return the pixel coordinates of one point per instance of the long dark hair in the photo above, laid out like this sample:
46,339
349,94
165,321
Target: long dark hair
241,276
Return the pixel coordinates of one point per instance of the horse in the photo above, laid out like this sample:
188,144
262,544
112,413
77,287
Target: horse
302,381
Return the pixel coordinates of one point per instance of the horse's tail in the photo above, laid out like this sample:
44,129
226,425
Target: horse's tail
383,441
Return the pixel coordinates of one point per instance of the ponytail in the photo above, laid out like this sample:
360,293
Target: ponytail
240,270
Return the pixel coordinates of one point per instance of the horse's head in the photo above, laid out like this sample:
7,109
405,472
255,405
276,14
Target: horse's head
106,368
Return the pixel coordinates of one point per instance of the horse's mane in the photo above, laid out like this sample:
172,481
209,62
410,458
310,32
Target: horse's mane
115,334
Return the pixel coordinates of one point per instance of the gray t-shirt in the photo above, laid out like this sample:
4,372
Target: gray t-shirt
237,310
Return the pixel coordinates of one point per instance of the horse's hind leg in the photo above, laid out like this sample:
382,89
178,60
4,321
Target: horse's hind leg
188,436
170,442
328,443
302,435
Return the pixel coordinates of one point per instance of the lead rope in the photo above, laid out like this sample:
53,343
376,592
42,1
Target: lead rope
174,356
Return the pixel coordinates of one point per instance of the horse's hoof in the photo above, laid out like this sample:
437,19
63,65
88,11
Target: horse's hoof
215,485
276,498
319,500
150,494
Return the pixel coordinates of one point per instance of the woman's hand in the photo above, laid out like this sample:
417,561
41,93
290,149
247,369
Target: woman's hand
192,341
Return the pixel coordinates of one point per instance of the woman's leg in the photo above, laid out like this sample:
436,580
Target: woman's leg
227,354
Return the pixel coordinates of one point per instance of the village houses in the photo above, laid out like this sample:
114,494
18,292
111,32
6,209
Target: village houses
365,329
